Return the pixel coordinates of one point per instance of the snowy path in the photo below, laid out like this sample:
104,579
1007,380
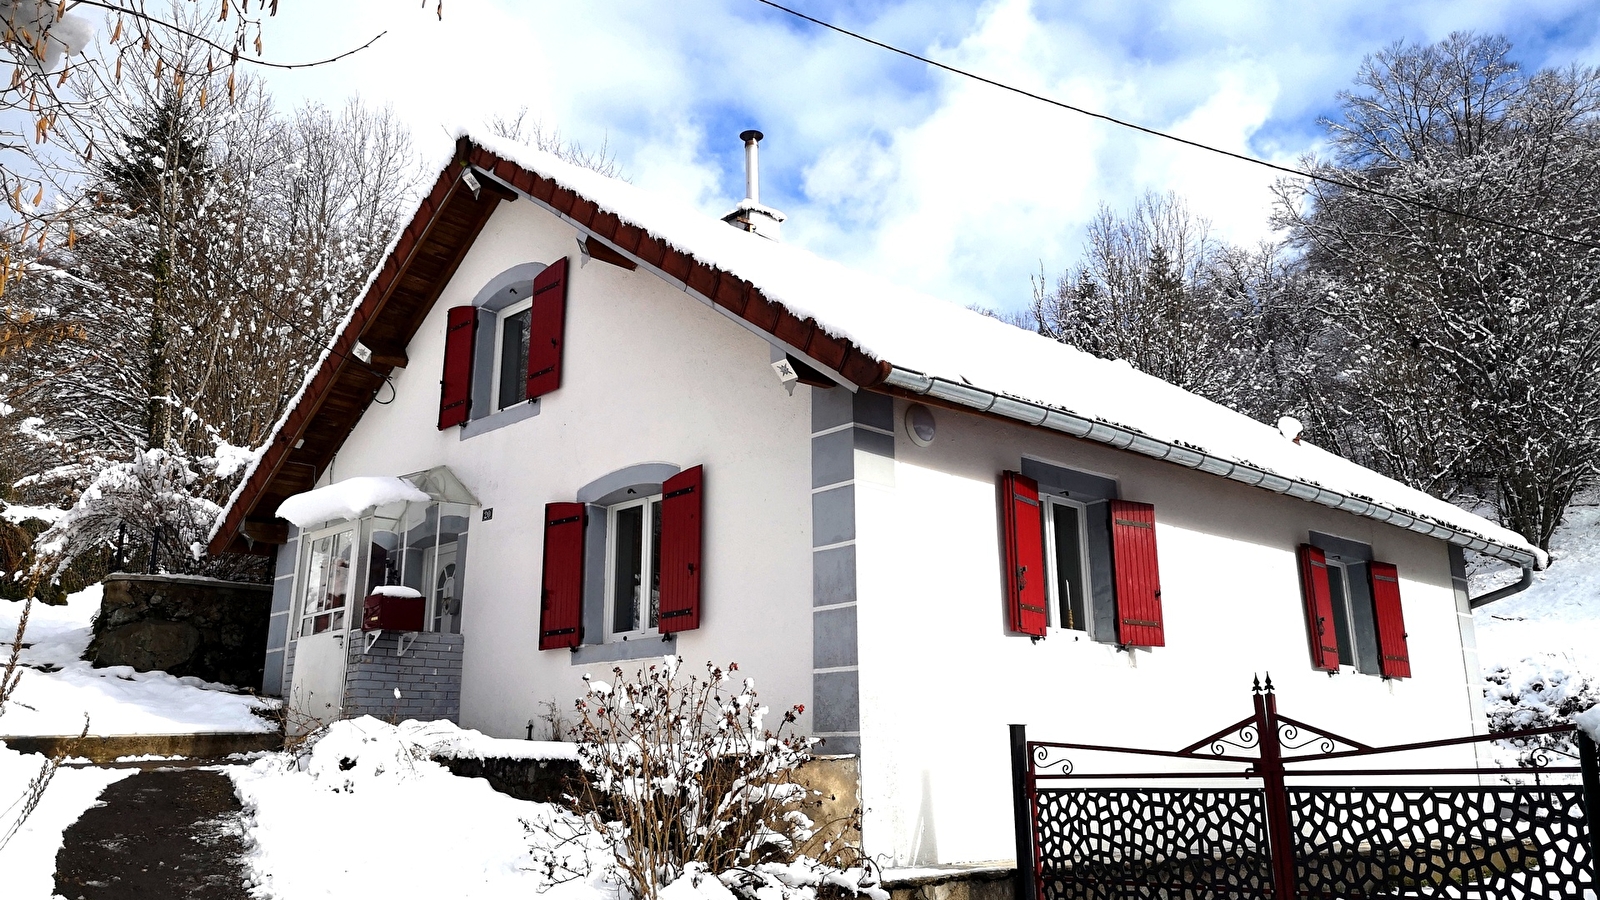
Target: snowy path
166,833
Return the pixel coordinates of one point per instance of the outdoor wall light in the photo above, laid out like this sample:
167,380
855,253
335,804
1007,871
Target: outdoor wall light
919,424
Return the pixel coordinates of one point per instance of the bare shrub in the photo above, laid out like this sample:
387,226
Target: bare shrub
684,779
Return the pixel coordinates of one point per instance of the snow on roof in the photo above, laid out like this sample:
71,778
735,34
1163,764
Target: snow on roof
348,499
915,331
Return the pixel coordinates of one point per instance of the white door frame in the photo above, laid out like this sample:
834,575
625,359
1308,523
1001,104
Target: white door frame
299,700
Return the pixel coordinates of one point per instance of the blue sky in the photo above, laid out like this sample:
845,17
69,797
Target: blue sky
941,183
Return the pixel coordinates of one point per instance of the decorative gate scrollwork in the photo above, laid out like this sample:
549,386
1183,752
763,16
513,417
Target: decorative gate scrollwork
1248,832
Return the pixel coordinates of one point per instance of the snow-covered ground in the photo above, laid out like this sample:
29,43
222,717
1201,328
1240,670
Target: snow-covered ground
60,689
28,861
1540,649
424,832
1559,615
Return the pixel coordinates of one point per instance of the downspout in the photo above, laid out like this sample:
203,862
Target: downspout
1501,593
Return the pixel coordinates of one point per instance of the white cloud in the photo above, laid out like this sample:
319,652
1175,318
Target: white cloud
946,184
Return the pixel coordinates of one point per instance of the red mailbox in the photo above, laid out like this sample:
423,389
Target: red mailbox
395,611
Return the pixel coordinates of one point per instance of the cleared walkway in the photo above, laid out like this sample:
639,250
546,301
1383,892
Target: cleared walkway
160,834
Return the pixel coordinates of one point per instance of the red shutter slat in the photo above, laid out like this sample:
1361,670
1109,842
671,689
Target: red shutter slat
561,594
1137,576
1394,660
545,329
682,499
1023,526
455,388
1319,608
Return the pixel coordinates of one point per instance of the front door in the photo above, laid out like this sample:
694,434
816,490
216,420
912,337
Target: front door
316,695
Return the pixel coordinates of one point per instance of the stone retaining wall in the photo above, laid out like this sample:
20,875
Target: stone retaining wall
183,625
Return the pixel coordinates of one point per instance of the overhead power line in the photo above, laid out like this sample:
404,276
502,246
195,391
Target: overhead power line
1197,145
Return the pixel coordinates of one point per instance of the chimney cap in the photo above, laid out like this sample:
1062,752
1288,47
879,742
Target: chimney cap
751,135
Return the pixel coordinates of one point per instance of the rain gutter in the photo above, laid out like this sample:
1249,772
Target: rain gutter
965,395
1501,593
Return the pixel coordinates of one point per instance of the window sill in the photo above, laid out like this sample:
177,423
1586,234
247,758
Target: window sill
620,650
497,420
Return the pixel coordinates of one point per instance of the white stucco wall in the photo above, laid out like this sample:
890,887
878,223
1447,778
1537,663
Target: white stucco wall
941,678
649,375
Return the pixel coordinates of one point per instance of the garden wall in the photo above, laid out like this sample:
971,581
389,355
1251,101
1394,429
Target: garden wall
183,625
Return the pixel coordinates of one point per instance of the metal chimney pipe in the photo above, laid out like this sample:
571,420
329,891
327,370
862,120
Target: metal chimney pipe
752,173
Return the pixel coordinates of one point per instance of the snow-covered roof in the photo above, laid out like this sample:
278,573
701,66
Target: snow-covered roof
923,345
923,335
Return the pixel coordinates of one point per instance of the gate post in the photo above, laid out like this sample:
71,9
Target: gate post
1280,840
1024,886
1587,760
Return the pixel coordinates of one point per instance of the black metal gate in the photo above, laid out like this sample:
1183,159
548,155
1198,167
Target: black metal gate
1278,813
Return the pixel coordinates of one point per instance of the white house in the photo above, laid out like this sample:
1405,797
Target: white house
587,426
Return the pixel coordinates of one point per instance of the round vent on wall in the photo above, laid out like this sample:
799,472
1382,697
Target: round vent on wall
919,424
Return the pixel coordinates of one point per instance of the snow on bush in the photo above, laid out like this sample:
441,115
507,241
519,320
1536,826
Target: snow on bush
694,794
1537,692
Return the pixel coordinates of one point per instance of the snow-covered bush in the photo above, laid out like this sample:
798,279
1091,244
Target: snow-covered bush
154,503
1537,692
695,794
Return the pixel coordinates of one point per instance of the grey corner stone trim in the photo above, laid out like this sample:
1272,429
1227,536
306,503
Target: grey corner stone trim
833,516
838,745
833,637
876,410
837,698
842,425
833,575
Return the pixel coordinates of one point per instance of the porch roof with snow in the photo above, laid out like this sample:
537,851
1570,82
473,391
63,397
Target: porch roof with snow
858,329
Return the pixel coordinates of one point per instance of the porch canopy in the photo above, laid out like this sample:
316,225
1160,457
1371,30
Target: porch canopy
353,498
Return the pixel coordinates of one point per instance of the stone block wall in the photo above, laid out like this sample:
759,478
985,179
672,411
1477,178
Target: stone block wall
428,677
183,625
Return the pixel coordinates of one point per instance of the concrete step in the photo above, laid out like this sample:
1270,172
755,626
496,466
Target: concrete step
107,748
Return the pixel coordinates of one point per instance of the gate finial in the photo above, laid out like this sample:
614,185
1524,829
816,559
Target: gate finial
1255,684
1268,687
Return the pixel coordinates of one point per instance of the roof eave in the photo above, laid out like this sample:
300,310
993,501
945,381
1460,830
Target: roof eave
974,398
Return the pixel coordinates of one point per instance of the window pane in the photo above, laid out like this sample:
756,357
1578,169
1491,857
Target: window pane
1339,593
629,564
514,358
655,561
1071,585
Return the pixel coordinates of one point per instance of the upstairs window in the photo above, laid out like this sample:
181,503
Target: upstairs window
633,588
511,353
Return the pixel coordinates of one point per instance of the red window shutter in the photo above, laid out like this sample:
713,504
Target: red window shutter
1026,594
682,498
561,594
1137,577
1319,608
545,328
455,388
1394,660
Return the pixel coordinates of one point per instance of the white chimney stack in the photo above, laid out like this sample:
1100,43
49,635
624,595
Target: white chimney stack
750,215
752,169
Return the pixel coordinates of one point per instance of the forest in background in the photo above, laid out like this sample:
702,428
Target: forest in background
204,249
